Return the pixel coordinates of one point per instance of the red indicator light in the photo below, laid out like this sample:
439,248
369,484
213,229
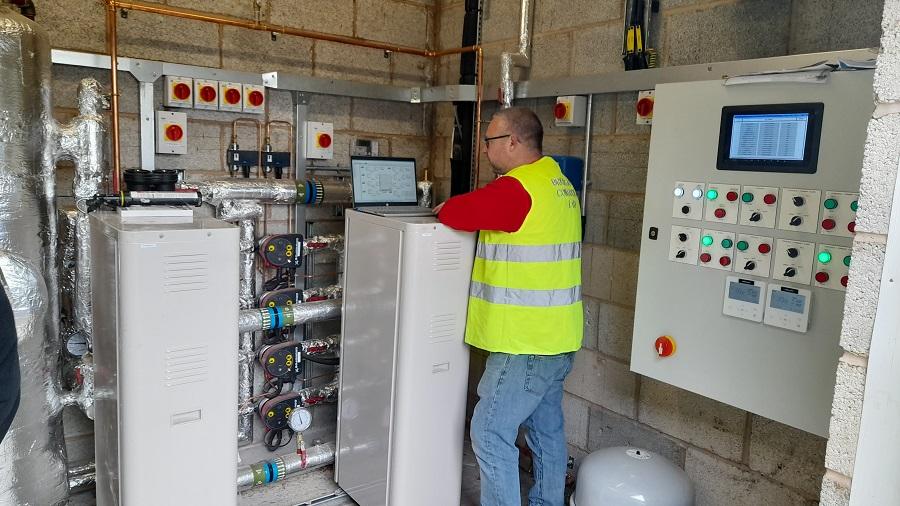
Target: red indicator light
828,224
731,196
181,91
821,277
769,199
705,257
852,226
764,248
720,213
255,98
208,94
725,261
844,280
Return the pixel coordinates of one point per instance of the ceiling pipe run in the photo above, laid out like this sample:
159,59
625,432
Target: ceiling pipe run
521,58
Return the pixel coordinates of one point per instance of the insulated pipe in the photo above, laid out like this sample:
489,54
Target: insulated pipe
269,471
275,191
522,58
245,213
82,477
270,318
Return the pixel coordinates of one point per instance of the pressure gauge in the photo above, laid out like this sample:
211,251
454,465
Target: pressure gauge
300,419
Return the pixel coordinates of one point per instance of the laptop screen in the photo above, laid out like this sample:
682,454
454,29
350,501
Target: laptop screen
379,181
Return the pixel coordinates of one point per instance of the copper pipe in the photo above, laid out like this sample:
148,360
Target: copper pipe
112,43
262,26
114,79
290,210
258,139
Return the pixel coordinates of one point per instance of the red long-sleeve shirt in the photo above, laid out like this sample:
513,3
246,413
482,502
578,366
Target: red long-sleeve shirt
501,205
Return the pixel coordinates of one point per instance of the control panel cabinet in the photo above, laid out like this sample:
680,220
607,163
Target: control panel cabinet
749,217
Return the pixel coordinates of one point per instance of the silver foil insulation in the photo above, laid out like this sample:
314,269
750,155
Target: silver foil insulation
252,320
287,464
32,456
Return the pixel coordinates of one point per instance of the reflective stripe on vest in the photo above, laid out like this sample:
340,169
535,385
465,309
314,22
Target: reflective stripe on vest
516,253
521,297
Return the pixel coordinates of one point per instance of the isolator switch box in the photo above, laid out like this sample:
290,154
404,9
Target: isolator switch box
759,205
206,94
722,203
231,96
687,200
254,99
839,214
717,249
319,140
753,255
831,267
171,132
570,111
684,245
179,92
799,210
793,261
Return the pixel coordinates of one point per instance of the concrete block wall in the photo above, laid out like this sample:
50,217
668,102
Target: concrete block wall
734,457
401,129
876,196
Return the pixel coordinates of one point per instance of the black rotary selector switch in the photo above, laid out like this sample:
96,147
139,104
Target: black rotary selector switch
796,221
793,252
755,217
798,201
682,237
685,209
749,266
790,272
681,253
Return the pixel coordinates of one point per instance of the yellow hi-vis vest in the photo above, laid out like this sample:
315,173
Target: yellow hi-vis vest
525,296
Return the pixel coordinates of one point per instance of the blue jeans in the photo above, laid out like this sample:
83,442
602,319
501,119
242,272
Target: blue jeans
521,390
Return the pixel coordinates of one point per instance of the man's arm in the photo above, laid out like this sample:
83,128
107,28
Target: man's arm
501,205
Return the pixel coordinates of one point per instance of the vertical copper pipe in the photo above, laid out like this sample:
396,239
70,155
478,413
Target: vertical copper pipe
290,210
112,43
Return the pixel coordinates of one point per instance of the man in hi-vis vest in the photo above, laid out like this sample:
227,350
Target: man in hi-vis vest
524,307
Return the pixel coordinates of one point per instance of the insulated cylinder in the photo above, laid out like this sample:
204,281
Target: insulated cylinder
32,455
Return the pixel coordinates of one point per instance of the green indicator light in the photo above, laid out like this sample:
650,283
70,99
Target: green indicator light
824,257
747,197
727,243
854,205
847,260
742,245
830,203
707,240
712,194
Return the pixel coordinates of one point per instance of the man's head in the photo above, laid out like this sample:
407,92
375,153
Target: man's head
513,138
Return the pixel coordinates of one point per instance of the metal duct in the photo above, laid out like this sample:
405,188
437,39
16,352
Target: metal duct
522,58
252,320
32,456
285,465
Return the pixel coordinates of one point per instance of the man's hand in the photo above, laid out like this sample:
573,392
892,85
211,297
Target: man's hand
438,207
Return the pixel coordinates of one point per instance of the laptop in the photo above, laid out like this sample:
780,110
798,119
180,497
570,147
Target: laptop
385,186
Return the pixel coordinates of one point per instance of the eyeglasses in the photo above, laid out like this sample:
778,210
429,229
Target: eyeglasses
487,140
